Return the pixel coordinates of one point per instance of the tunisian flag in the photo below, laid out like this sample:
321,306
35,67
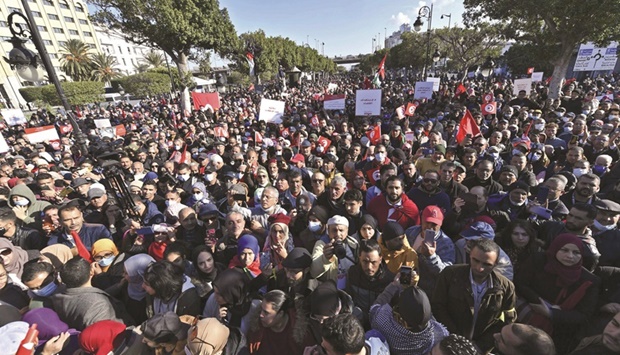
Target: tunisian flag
374,134
381,69
460,89
467,126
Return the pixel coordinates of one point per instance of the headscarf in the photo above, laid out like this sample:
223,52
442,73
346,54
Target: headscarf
60,252
104,244
48,323
233,286
199,273
247,242
149,176
370,220
209,332
566,275
135,267
357,174
20,257
414,308
98,338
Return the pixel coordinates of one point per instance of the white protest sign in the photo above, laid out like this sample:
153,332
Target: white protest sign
333,102
3,146
423,90
331,87
537,76
41,134
108,132
271,111
102,123
368,102
435,81
522,84
590,57
13,116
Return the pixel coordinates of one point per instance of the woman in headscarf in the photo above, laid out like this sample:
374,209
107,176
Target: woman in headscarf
162,235
278,243
107,265
110,337
409,327
130,290
206,271
247,257
14,259
10,293
170,290
556,293
231,301
271,329
209,337
49,326
367,229
57,254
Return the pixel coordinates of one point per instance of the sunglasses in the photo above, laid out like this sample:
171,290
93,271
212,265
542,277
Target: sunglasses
430,181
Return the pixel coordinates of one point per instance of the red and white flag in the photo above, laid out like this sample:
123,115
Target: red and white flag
381,69
489,108
324,142
250,58
530,70
258,138
221,131
467,126
460,89
374,134
411,107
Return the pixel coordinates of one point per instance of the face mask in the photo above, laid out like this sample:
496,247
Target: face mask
239,175
46,291
439,118
21,202
183,177
516,151
380,156
210,177
539,126
495,155
245,146
565,119
518,204
418,131
586,112
198,196
106,261
533,156
599,169
177,147
578,172
612,117
568,129
601,227
559,114
278,152
314,226
170,203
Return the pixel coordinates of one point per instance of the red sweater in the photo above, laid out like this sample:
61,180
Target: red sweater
406,214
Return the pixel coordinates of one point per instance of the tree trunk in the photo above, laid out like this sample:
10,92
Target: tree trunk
559,72
182,68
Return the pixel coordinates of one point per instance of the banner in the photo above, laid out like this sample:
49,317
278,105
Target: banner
3,146
13,116
423,90
221,131
435,81
271,111
411,107
324,142
522,84
41,134
400,112
410,137
206,100
537,76
591,58
486,98
368,102
333,102
102,123
489,108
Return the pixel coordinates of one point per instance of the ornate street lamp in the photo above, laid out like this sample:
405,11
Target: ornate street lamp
427,13
27,64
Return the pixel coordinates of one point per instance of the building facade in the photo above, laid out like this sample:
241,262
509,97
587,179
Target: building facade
127,54
394,38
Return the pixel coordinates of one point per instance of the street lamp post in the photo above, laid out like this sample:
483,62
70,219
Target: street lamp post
449,16
436,57
27,64
427,13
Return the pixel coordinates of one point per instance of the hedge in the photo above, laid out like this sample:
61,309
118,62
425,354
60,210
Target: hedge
77,92
32,93
146,84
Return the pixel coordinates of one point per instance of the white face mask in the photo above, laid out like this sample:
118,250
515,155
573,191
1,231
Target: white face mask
559,114
21,202
601,227
198,196
565,119
534,157
380,156
210,177
177,147
579,171
184,177
314,226
170,203
539,126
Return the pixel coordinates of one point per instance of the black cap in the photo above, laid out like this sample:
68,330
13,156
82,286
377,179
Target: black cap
392,230
165,327
298,258
210,169
607,205
519,185
510,169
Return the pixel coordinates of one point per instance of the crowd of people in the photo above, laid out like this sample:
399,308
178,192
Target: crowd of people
209,232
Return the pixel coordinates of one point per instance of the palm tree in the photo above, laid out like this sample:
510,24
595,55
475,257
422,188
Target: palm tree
141,67
104,68
76,60
154,59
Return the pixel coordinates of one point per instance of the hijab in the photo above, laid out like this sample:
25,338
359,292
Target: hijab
247,242
48,323
104,244
20,257
199,273
59,254
135,267
98,338
233,286
371,221
566,275
209,333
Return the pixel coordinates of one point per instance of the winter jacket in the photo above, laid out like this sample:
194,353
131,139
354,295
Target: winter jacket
406,213
33,214
89,234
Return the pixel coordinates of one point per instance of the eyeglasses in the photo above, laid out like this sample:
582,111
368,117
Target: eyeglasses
105,256
429,181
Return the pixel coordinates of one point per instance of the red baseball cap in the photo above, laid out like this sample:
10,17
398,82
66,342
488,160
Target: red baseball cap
298,158
432,214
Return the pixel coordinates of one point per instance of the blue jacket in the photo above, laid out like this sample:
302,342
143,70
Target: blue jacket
151,215
89,234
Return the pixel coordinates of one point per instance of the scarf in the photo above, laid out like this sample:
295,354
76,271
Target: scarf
60,251
157,249
135,267
209,333
233,286
566,275
247,242
19,258
82,251
103,245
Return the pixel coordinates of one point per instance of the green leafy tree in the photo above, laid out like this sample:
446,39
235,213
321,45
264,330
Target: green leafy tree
146,84
186,81
520,57
105,68
141,67
556,27
154,59
78,93
176,27
76,60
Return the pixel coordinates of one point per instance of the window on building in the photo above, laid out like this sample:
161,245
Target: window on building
14,9
3,23
34,1
83,22
42,28
58,30
88,34
64,5
48,2
69,19
53,17
120,50
92,45
47,42
36,14
124,61
62,43
79,8
74,32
